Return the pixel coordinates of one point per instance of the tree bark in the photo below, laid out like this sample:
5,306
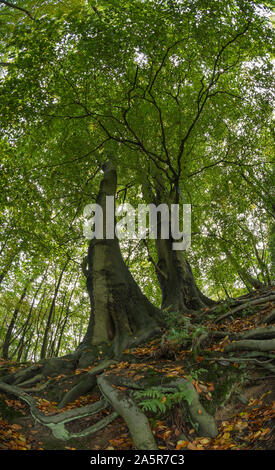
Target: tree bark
178,286
12,323
120,313
136,420
49,320
179,290
28,321
251,345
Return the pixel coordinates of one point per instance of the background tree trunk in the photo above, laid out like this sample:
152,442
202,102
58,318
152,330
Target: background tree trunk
247,278
49,320
28,322
8,336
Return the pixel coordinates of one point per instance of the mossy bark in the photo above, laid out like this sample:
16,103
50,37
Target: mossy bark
136,421
178,286
120,312
179,290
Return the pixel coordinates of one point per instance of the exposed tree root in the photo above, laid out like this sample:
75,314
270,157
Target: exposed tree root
256,342
270,367
67,364
22,375
245,305
267,296
228,306
85,384
33,380
203,422
251,345
123,405
270,318
57,422
45,368
136,421
267,332
38,389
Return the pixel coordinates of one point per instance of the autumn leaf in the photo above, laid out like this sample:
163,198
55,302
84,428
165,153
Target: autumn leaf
16,427
192,446
181,444
195,383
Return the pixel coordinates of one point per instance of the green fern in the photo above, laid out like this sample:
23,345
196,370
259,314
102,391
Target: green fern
155,401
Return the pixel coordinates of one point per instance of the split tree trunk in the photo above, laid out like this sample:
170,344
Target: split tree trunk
179,290
121,315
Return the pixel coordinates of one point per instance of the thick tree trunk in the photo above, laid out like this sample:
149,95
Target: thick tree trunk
120,314
179,290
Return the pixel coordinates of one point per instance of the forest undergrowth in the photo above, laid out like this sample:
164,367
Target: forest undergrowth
234,384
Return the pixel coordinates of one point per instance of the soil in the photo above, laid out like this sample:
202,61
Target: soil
240,395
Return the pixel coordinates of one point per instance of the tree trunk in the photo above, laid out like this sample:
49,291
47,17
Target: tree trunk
8,264
120,313
63,322
28,321
12,323
37,324
246,277
179,290
49,320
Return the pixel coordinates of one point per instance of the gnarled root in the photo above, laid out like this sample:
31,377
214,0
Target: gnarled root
43,369
267,332
251,345
57,422
86,383
271,317
136,421
251,303
201,420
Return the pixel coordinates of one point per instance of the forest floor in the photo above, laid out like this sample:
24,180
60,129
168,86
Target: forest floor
239,394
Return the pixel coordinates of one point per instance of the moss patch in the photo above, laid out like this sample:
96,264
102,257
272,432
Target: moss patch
227,380
8,413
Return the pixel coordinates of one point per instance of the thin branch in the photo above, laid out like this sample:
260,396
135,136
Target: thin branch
16,7
162,63
204,94
67,162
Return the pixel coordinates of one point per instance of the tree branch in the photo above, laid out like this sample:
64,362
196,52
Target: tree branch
204,94
16,7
